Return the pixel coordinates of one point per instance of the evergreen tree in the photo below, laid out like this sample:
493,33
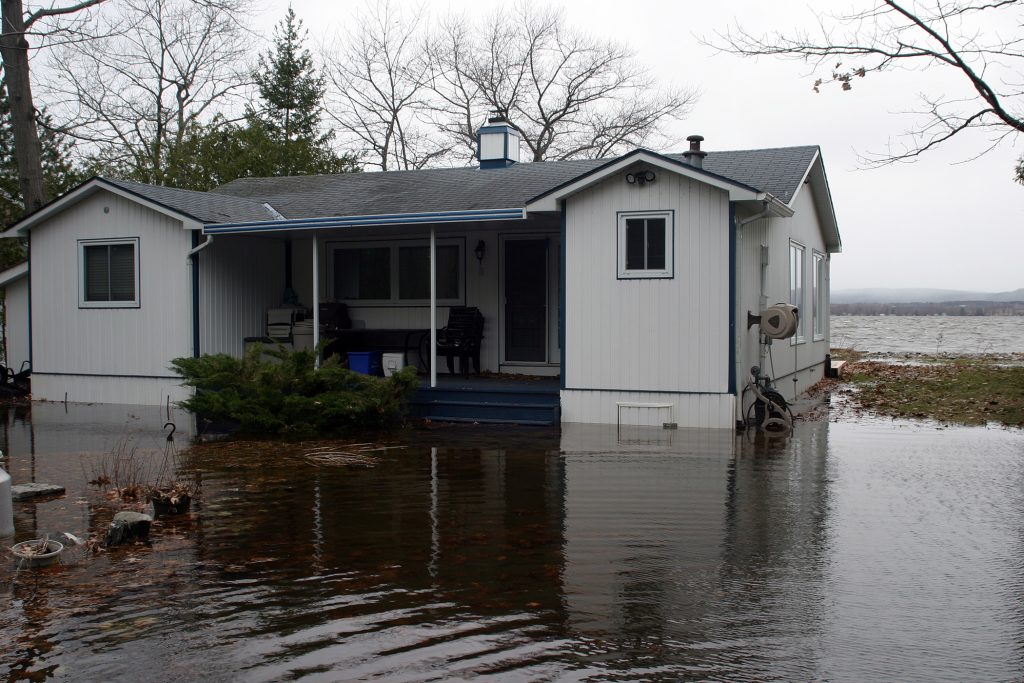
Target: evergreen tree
292,96
282,137
59,176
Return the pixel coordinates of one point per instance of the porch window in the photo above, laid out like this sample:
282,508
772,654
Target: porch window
396,273
108,273
796,288
818,301
645,244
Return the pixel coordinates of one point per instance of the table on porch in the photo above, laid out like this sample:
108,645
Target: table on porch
379,339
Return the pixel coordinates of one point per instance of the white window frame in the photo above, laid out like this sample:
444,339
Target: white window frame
798,252
82,301
669,270
394,246
818,301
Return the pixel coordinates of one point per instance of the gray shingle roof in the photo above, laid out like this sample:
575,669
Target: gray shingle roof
778,171
205,207
398,192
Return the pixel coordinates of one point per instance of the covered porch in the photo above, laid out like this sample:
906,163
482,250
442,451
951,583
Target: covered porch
398,278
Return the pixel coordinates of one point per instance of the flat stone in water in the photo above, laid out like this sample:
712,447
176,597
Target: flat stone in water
35,490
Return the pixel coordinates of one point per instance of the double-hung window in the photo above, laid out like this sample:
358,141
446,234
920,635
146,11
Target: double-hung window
108,273
396,273
796,287
645,244
818,301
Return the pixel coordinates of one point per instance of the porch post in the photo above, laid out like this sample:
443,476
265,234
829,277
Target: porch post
433,308
316,300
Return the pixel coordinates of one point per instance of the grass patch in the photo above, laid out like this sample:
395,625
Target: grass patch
969,391
847,354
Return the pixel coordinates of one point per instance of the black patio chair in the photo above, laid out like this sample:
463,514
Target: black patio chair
334,316
461,337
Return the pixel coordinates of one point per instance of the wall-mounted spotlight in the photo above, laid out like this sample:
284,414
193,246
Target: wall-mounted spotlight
480,252
641,177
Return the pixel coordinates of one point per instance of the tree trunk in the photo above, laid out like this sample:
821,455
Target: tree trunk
27,150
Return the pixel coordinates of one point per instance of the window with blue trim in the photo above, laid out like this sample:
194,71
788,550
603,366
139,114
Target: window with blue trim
108,273
645,244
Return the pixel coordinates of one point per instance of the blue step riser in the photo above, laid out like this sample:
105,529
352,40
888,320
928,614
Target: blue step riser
538,414
539,398
485,411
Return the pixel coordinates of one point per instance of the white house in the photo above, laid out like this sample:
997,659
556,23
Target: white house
627,279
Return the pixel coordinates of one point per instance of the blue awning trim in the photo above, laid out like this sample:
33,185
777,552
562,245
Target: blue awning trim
358,221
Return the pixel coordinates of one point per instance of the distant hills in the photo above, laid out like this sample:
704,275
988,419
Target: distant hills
920,295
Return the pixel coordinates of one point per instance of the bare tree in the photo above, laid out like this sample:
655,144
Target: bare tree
168,63
44,23
946,34
379,90
568,94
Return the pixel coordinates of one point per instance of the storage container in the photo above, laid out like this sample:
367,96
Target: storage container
392,363
366,362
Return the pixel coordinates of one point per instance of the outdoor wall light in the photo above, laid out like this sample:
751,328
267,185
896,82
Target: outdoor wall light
641,177
480,251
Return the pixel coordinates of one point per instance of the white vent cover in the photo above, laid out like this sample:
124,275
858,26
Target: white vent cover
780,321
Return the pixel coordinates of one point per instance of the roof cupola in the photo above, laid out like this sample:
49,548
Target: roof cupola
497,143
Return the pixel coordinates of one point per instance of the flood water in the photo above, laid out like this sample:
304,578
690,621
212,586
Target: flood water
846,552
929,334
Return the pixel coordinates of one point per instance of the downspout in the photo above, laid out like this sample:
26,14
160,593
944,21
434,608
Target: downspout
737,368
193,262
204,245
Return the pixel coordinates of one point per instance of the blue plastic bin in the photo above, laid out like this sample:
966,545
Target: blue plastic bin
366,362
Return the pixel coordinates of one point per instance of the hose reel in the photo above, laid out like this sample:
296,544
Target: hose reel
777,322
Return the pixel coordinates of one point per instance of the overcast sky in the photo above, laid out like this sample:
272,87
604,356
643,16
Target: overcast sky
942,222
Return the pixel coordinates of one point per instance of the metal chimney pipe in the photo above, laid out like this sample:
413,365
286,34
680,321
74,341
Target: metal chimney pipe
694,156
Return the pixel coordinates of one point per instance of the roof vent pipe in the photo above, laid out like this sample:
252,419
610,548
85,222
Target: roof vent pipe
694,156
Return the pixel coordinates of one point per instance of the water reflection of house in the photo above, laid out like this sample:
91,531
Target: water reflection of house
630,278
480,526
685,551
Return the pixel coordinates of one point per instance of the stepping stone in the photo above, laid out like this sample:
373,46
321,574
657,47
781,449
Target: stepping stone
128,526
36,490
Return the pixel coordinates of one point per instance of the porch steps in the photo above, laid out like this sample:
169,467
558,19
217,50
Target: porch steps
488,405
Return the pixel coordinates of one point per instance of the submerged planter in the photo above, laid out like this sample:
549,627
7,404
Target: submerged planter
170,505
37,553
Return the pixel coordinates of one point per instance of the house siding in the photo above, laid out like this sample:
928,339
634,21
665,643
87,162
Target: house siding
240,277
648,340
115,355
803,362
16,324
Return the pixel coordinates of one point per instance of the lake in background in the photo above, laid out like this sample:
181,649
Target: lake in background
929,334
867,551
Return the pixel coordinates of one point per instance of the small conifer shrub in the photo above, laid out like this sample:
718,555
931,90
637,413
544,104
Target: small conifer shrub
277,391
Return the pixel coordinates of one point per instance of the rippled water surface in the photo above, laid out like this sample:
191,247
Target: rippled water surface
929,334
848,552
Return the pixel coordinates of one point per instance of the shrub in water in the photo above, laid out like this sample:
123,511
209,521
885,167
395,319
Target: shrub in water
286,394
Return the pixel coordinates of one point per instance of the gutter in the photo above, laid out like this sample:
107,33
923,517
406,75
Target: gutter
771,205
461,216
